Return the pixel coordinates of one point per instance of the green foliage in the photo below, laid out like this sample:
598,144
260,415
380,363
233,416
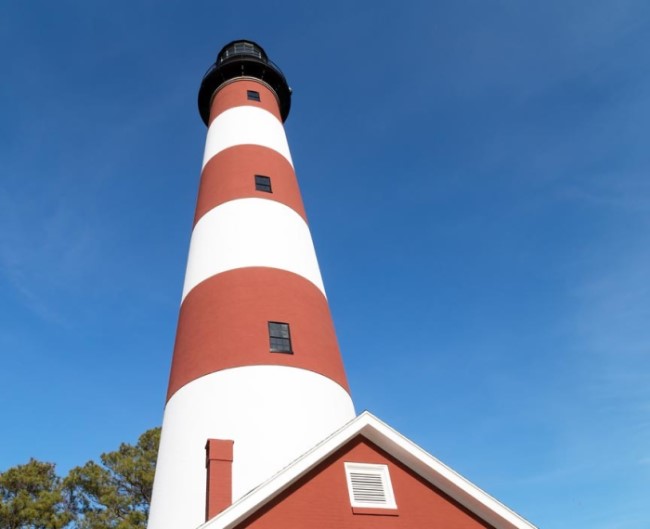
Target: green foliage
32,497
117,493
112,494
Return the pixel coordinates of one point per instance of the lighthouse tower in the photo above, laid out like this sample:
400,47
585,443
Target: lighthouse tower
256,373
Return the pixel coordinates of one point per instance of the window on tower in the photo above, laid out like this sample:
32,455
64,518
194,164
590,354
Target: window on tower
280,337
263,183
253,95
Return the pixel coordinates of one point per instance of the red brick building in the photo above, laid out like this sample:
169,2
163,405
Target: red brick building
366,475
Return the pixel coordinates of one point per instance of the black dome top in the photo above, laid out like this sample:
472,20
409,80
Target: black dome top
243,58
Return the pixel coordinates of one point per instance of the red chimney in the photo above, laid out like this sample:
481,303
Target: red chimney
218,463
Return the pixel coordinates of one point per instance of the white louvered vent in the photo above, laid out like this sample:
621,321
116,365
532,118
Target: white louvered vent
369,486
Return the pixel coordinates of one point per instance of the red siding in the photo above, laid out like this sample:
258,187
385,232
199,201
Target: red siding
321,500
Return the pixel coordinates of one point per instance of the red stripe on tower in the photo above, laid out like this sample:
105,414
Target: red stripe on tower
227,176
256,359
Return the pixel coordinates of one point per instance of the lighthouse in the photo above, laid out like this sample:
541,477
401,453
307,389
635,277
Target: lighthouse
256,368
259,429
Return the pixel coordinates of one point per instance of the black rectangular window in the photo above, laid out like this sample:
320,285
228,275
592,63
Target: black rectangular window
263,183
253,95
279,337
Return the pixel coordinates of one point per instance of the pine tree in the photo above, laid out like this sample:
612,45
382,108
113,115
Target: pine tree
112,494
32,497
116,493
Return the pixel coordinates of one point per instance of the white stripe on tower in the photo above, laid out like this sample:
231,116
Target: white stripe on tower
251,262
239,234
242,126
260,451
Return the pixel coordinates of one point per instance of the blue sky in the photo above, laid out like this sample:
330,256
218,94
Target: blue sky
476,175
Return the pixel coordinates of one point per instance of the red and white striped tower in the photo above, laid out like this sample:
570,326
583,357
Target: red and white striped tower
256,359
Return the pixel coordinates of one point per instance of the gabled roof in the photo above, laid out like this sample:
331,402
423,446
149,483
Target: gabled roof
408,453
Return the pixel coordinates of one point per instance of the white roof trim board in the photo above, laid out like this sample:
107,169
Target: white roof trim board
428,467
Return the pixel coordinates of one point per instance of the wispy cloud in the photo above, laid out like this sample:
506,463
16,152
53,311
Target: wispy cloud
42,250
